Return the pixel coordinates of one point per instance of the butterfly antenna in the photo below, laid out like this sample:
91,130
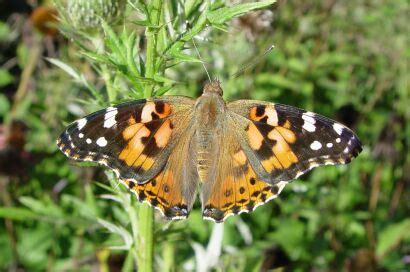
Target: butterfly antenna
200,58
253,63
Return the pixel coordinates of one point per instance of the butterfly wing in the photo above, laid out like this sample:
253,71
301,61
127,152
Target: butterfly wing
264,146
283,142
235,187
142,142
173,190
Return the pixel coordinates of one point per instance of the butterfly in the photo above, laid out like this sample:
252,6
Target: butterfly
238,154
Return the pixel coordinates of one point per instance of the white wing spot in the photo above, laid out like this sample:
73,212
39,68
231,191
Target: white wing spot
109,117
315,145
338,128
346,150
88,141
329,145
101,141
338,140
81,123
309,121
80,135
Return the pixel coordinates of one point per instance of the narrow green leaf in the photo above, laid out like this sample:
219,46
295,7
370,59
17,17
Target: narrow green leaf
125,235
220,27
224,14
392,236
44,207
179,56
78,77
16,213
112,39
162,79
131,55
163,90
199,25
190,6
66,68
96,56
144,23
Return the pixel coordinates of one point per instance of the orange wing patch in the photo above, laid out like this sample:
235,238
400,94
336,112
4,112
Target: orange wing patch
163,193
135,147
147,132
241,191
267,115
154,110
239,158
163,134
255,138
271,141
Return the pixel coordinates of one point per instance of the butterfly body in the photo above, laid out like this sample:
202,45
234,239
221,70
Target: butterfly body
241,154
209,114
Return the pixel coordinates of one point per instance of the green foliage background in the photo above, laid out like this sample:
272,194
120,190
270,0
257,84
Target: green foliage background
347,60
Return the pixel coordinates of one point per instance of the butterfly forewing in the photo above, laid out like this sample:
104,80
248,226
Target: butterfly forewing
285,142
134,138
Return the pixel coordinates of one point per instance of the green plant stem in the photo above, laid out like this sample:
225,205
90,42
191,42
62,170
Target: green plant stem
145,244
168,256
151,34
146,213
133,211
23,87
108,83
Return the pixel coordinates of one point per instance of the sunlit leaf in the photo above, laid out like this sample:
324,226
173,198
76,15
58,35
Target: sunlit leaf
221,15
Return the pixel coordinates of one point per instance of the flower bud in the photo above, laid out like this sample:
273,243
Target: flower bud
91,13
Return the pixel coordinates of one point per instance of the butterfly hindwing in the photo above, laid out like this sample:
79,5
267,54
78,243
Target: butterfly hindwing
173,190
236,187
283,142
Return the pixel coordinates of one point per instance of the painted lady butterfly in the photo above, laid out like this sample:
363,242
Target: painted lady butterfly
242,153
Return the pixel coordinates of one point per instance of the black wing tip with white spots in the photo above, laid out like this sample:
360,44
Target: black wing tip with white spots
97,137
349,148
319,141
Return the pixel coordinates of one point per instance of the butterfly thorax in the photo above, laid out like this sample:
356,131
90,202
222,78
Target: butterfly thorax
210,112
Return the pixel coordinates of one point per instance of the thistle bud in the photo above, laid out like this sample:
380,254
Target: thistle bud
91,13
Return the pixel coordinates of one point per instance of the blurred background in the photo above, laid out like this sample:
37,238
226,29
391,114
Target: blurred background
347,60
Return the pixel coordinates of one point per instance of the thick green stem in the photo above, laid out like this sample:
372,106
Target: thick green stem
152,35
168,256
145,238
133,211
145,212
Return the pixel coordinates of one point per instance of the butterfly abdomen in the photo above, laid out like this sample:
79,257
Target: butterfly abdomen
209,117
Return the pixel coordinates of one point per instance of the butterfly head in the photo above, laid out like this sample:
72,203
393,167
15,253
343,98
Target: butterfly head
214,87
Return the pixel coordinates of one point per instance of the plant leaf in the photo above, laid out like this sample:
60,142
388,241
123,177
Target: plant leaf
17,213
220,16
391,236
